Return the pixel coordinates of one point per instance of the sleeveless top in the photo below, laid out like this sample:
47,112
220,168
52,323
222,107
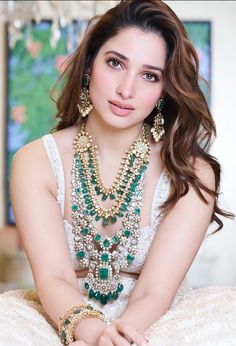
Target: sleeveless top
146,237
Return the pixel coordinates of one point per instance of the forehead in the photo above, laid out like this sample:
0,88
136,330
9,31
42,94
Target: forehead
138,46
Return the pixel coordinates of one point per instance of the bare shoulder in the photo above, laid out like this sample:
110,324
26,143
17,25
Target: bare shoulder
31,154
35,149
31,161
205,173
29,150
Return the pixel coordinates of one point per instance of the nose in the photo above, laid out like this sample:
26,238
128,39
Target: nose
126,87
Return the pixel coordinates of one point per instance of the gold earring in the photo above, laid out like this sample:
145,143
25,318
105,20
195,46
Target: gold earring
85,101
158,130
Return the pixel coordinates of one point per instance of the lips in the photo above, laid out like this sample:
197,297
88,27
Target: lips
120,109
121,105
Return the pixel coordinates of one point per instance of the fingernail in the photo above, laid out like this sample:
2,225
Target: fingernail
147,338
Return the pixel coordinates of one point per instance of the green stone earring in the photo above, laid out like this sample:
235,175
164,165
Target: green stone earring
85,101
158,130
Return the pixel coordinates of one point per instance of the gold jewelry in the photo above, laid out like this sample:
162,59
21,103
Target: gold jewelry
129,169
106,256
158,130
86,104
70,320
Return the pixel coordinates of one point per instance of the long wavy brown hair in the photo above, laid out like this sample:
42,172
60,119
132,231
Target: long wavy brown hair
189,126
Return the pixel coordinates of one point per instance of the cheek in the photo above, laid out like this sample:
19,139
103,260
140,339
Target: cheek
100,81
149,99
95,82
149,93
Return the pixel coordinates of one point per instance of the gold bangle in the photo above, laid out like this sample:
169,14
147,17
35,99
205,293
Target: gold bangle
70,320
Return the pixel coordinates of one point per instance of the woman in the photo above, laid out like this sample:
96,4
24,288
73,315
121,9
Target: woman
115,204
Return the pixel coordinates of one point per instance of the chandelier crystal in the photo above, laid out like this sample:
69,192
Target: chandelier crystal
20,15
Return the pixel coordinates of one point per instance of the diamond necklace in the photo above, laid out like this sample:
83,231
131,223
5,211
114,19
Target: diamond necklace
106,255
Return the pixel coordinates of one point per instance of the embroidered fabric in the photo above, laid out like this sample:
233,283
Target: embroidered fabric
56,163
201,317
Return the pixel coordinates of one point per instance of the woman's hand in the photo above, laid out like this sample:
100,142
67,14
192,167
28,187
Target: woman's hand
88,332
121,334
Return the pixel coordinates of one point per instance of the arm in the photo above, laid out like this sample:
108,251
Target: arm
172,252
40,224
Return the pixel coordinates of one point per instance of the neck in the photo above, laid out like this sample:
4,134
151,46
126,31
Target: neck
109,139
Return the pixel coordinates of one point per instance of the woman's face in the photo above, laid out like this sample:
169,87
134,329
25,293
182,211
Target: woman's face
127,77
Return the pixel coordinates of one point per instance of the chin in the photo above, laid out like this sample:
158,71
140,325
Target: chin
117,122
120,123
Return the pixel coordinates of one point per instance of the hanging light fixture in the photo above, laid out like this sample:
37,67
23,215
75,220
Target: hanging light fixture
19,15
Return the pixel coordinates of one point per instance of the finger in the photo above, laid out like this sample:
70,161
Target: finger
104,341
79,343
120,340
130,332
117,339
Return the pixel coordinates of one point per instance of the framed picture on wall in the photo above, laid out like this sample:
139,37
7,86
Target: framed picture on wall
33,69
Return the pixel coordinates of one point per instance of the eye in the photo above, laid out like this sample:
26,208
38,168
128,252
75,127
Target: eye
152,77
114,63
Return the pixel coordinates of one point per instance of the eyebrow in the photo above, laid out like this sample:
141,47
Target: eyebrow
121,56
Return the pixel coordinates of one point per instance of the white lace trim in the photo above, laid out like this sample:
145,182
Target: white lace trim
55,160
160,196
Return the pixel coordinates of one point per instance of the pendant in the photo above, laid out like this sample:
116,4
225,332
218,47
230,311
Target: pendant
99,289
106,256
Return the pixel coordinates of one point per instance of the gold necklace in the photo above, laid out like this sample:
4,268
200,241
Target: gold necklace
127,178
104,255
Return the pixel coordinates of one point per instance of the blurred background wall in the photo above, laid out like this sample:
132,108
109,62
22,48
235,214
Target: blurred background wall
214,263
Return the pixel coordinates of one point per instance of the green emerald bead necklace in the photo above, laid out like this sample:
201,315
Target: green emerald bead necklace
105,256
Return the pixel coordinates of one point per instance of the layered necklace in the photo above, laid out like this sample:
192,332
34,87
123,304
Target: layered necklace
104,255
